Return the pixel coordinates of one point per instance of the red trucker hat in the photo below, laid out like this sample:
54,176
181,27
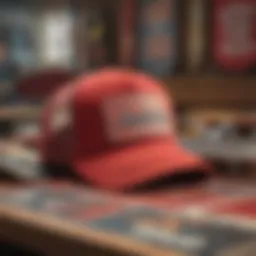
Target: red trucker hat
56,135
117,130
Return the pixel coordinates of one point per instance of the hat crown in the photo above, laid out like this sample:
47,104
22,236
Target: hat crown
116,108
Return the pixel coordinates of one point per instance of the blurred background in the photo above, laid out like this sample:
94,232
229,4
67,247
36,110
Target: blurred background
205,51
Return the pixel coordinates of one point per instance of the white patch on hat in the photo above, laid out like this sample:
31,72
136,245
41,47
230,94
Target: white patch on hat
61,117
134,116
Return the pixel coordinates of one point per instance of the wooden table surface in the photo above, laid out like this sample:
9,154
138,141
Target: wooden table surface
52,236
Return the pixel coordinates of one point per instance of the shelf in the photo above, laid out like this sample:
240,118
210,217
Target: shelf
214,92
19,112
224,92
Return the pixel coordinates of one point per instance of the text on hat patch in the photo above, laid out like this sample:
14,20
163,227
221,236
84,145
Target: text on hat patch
133,116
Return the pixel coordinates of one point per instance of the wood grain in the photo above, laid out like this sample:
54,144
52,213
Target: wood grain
227,92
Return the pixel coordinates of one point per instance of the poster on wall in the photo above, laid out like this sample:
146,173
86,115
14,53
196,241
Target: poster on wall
8,68
23,40
158,37
234,35
17,48
56,39
20,24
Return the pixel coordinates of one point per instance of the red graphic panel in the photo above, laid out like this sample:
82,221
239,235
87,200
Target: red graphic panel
243,208
235,34
186,198
208,196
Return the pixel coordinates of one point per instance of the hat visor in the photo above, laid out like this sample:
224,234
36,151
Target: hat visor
138,164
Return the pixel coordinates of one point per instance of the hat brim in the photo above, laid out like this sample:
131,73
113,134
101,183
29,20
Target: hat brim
138,164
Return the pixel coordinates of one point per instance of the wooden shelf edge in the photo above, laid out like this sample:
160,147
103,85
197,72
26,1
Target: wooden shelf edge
237,92
19,112
211,91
